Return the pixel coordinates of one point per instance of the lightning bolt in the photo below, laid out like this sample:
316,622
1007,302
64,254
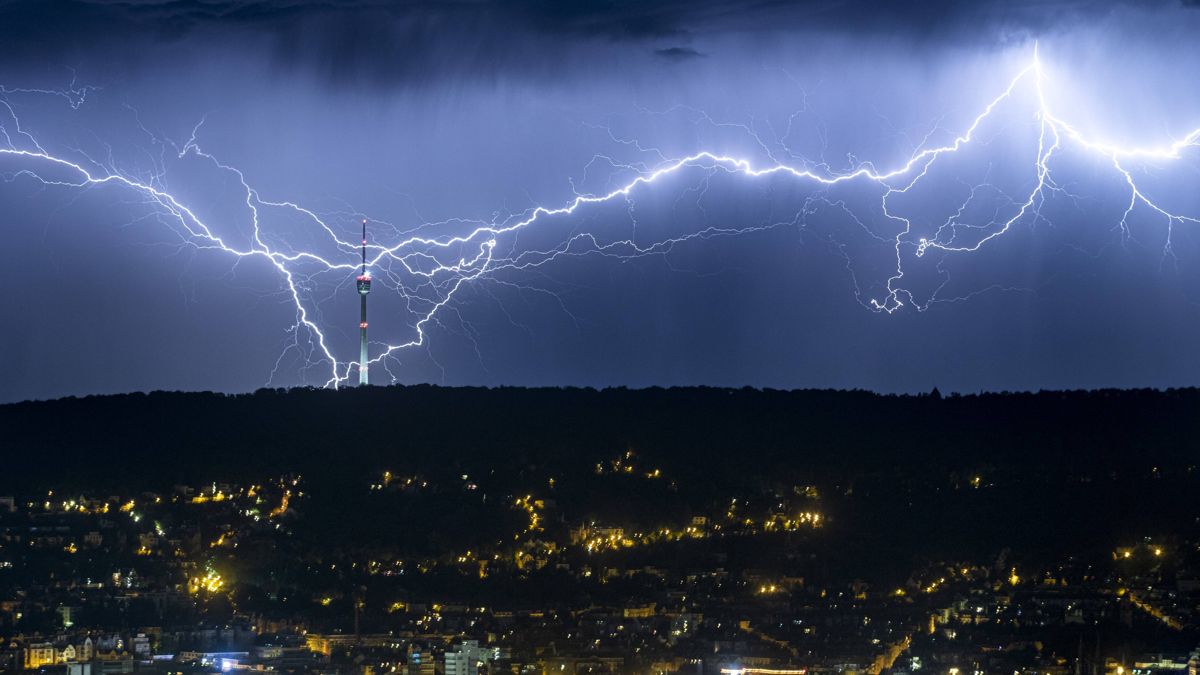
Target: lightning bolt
443,264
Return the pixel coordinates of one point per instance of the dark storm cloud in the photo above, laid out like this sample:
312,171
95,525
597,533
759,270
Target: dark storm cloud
377,40
522,102
678,53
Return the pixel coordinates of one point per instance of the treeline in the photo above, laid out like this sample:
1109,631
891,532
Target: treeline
699,433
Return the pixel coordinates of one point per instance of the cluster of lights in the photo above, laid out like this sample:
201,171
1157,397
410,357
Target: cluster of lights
388,479
612,541
529,507
790,524
617,539
283,505
763,671
210,582
81,505
625,465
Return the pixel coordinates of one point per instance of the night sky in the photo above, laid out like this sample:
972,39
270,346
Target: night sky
280,125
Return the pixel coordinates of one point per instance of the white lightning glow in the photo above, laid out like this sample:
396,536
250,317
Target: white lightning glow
418,254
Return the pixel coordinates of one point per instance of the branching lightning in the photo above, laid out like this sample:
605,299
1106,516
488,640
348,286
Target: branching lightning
442,265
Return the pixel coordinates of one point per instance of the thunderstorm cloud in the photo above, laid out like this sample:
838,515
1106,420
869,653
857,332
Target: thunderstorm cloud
280,124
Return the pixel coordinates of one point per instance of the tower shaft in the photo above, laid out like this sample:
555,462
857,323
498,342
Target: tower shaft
364,287
362,343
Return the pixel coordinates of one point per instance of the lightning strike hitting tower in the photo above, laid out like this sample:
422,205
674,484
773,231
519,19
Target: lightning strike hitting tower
364,287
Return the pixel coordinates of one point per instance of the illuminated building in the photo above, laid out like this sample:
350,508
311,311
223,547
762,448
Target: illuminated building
39,654
420,661
465,659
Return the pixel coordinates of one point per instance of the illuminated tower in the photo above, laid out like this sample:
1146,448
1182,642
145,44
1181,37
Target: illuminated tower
364,287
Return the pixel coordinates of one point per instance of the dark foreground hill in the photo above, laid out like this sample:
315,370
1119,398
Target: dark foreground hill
747,432
967,474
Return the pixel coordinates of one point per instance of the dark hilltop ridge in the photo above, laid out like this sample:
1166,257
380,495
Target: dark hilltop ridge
702,430
954,474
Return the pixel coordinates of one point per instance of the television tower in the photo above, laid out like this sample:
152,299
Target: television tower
364,287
